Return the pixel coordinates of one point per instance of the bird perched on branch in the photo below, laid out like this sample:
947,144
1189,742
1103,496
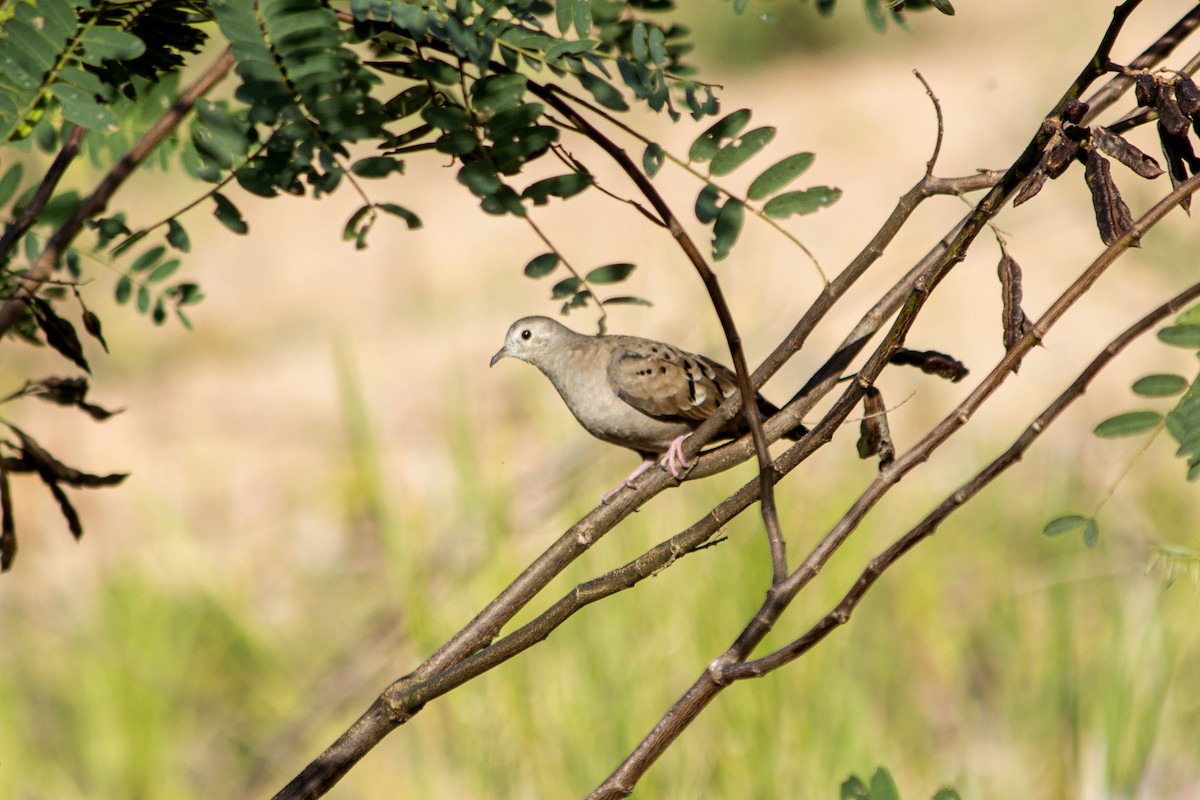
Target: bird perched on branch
637,393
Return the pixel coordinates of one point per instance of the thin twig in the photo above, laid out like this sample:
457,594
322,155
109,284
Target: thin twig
941,129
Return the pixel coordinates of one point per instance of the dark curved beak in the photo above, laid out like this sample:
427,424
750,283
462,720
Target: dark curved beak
501,353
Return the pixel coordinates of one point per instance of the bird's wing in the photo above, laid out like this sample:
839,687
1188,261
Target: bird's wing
668,383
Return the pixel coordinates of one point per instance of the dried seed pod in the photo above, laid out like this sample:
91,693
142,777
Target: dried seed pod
1169,114
1013,318
8,531
1074,110
1145,90
1076,133
1112,215
874,436
91,324
931,362
1033,184
1187,94
1180,156
1119,148
63,391
1059,156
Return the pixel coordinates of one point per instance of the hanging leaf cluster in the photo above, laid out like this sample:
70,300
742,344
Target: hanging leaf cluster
724,147
1014,322
25,455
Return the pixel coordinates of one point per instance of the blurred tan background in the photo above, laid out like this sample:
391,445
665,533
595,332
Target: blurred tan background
327,480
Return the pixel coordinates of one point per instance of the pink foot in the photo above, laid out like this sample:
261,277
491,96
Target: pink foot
628,482
673,460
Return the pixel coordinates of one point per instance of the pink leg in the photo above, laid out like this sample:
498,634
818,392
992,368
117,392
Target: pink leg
645,465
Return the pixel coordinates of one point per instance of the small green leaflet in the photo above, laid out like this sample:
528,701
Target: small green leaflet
727,228
177,237
1160,385
610,273
709,143
779,175
652,159
706,204
741,150
1181,336
802,202
228,214
565,288
480,178
627,301
1131,423
541,265
559,186
604,92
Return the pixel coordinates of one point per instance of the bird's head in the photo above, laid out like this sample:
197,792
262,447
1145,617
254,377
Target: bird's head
530,338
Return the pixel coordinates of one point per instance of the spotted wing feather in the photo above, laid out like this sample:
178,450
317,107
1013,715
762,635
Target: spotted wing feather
668,383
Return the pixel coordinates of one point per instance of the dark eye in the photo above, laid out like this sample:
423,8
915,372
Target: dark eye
525,334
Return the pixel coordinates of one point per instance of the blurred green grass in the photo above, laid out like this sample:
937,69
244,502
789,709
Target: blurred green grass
992,658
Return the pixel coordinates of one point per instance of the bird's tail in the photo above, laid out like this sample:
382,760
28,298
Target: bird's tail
769,409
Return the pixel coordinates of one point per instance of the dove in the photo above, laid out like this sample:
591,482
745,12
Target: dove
638,393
